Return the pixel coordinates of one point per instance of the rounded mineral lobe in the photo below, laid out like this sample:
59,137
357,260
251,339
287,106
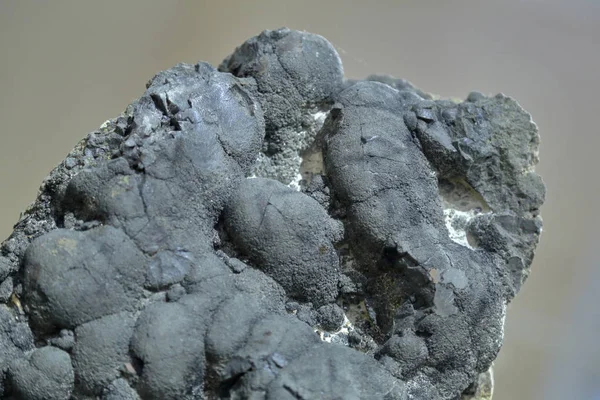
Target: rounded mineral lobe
46,374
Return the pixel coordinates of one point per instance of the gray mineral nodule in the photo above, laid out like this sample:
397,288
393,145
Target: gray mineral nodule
270,230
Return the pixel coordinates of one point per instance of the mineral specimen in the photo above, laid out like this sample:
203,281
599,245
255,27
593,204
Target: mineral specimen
270,230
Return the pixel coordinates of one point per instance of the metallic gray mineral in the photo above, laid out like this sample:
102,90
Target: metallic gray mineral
270,230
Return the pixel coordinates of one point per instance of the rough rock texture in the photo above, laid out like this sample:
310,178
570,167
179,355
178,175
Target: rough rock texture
46,373
269,230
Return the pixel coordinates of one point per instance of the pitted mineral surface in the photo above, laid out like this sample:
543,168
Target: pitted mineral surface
270,230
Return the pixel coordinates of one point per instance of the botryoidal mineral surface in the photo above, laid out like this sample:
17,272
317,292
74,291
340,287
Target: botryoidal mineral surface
270,230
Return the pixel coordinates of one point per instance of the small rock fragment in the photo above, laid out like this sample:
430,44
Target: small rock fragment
64,341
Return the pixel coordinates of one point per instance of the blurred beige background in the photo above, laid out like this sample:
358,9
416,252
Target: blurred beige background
66,66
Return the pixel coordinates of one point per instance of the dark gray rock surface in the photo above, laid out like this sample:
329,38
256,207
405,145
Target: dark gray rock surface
269,230
289,236
44,374
101,351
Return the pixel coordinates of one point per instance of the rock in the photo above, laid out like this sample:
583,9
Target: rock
359,377
330,317
6,289
101,351
74,277
169,350
175,292
288,235
65,341
297,76
5,268
291,69
120,390
15,339
270,230
46,374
